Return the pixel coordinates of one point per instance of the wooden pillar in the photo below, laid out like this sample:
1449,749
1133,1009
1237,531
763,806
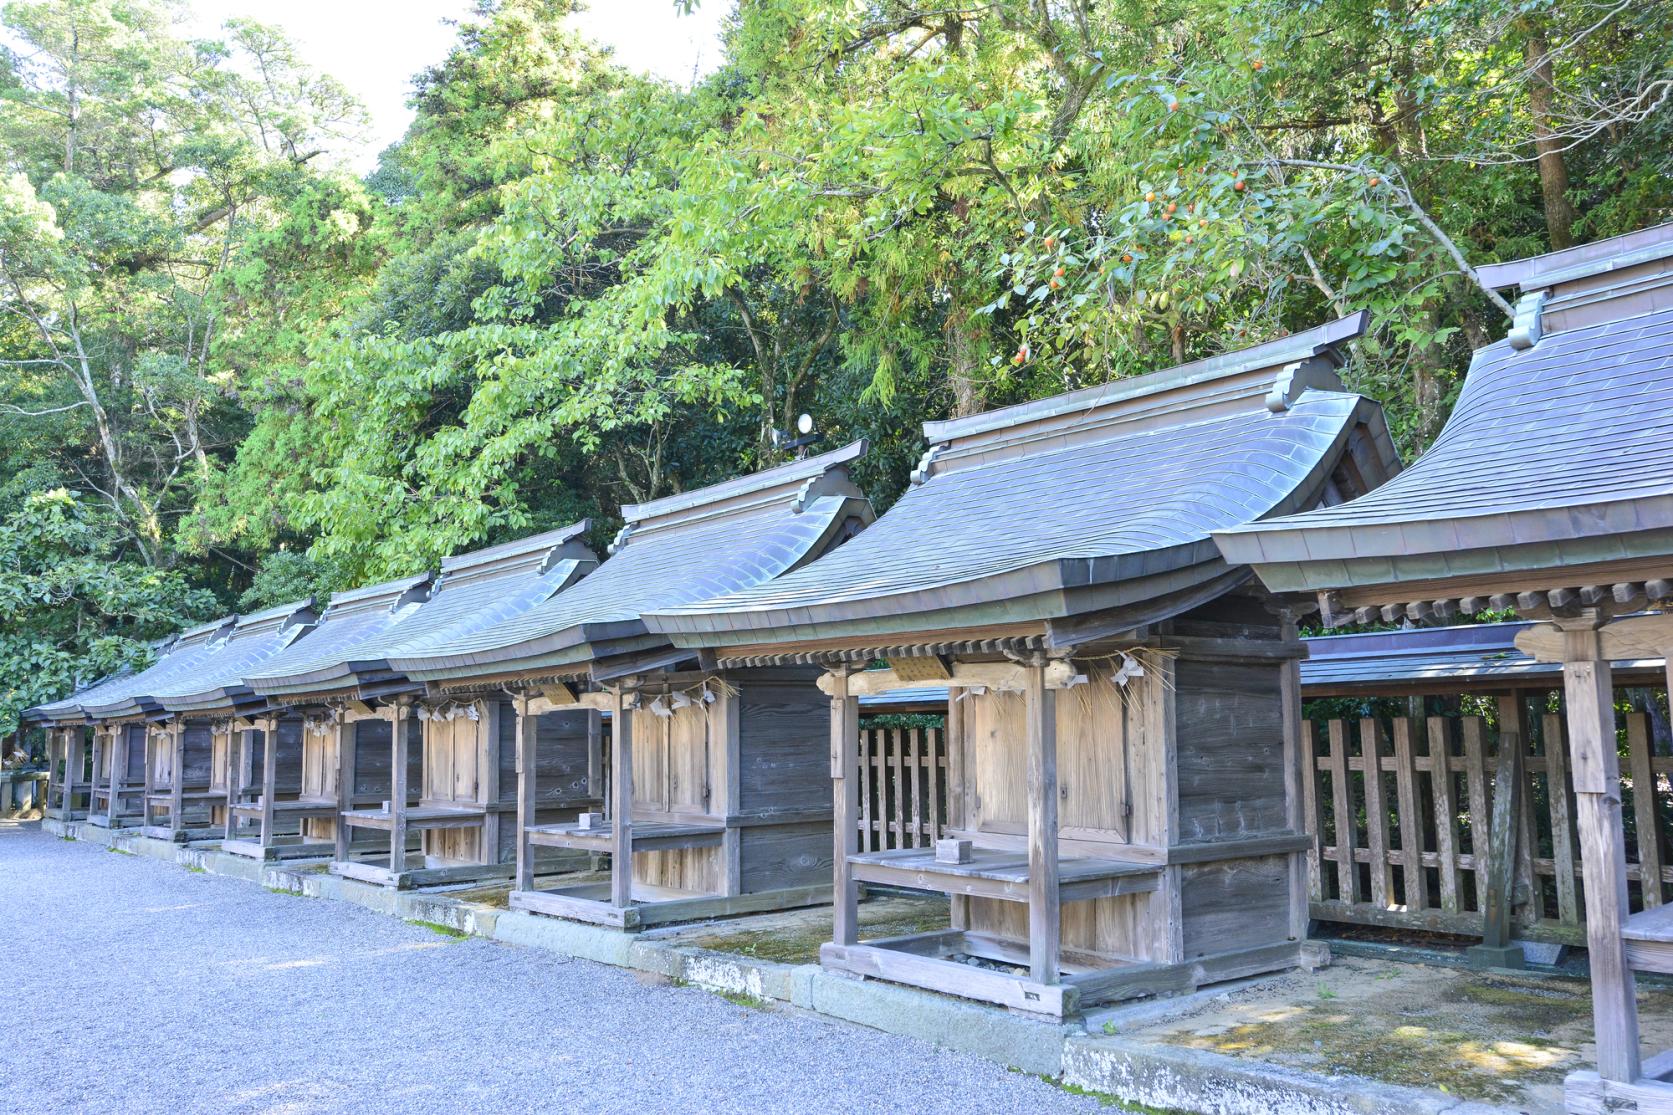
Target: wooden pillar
526,788
1298,771
1588,694
957,809
399,743
621,796
67,735
1043,897
237,780
345,786
595,754
1495,949
101,759
148,775
488,782
845,802
177,776
118,767
269,776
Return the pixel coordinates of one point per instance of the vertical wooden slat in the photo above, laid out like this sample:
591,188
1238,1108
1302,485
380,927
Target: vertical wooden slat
868,742
1346,875
1475,774
1446,811
937,782
1644,808
898,783
880,782
1376,811
915,758
1414,880
1310,796
1558,790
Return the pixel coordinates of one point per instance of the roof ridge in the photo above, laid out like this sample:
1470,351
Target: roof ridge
1581,260
274,616
512,552
1197,383
641,516
361,599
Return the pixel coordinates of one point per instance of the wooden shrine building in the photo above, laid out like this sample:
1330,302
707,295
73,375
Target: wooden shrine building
1550,491
1123,792
286,801
198,715
718,802
432,778
114,754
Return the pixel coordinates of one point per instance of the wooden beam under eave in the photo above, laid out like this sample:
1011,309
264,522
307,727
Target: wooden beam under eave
1008,676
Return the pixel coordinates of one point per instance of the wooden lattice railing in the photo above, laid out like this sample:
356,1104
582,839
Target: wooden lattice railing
1410,848
903,787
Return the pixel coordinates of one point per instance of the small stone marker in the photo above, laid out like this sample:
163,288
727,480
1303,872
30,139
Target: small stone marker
590,821
951,850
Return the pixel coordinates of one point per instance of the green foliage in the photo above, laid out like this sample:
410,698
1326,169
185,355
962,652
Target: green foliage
570,286
287,575
71,610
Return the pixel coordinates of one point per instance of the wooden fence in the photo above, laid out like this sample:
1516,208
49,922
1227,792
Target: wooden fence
903,787
1410,847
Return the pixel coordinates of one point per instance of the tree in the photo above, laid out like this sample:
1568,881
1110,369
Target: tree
72,610
147,164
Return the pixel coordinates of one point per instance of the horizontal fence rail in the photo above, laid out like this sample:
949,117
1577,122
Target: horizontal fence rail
1408,846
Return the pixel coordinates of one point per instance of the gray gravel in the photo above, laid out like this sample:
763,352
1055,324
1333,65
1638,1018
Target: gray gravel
139,986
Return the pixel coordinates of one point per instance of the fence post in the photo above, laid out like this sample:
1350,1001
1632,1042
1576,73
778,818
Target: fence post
1496,950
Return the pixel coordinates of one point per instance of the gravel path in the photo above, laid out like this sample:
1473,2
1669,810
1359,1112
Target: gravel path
151,988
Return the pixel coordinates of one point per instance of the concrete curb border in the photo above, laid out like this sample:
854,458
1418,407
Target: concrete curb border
1134,1071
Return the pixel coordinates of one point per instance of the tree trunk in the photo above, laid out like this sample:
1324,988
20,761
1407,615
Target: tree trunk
962,352
1553,168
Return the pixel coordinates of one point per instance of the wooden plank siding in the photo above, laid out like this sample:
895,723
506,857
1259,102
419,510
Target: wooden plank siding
1419,857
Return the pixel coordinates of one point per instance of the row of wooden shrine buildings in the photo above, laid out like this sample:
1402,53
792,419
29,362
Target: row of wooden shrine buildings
1106,584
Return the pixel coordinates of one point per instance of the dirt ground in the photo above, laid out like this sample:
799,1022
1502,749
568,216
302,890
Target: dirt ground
1489,1036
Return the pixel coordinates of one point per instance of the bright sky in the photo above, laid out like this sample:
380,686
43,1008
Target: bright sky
375,46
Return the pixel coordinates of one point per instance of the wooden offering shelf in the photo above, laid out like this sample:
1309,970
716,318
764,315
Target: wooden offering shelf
654,904
298,807
1003,874
647,836
420,816
1649,939
166,797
